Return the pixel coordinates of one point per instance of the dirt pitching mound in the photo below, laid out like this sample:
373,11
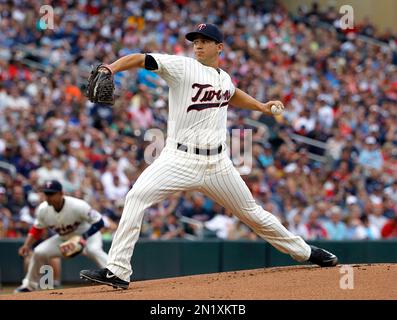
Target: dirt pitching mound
368,281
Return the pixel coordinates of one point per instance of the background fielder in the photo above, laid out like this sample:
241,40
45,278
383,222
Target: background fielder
68,217
194,157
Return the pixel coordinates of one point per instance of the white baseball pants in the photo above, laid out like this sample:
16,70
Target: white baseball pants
216,177
50,249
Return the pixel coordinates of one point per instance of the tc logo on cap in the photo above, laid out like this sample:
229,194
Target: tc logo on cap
52,186
201,26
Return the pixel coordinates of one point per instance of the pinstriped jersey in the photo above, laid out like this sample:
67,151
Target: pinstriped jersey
198,100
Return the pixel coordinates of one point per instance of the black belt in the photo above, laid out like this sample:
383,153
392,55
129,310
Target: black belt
208,152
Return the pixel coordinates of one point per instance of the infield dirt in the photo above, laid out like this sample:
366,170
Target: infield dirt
370,281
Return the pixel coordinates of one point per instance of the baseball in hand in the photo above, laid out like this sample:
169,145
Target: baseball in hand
276,109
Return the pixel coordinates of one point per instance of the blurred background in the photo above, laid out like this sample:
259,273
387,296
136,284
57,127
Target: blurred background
327,168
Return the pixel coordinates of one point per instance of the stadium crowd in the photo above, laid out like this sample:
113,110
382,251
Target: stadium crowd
337,88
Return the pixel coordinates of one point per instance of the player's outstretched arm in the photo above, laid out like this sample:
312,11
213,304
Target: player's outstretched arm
243,100
131,61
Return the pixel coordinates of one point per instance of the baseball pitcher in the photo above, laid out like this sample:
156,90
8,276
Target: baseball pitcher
76,225
194,156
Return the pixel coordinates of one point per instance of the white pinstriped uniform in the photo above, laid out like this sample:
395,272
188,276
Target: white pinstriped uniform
195,119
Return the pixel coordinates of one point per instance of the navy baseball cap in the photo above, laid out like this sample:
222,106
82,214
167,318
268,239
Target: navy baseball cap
207,30
52,186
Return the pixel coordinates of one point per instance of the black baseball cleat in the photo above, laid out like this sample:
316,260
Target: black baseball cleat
322,257
22,289
104,276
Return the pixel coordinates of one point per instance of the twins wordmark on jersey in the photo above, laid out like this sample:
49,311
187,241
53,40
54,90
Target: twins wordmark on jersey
206,93
64,230
76,216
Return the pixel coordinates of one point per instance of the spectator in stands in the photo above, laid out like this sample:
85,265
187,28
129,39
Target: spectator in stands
12,230
297,227
389,230
195,208
371,156
240,231
16,201
314,229
336,229
391,191
115,190
3,197
263,154
2,228
27,213
222,223
375,213
335,145
157,228
25,165
47,170
389,207
173,228
367,230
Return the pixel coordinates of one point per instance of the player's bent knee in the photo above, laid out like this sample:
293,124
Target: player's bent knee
39,254
251,212
136,194
254,216
91,252
130,195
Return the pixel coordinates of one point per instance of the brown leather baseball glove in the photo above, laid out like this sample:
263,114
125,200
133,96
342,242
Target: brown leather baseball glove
100,87
72,247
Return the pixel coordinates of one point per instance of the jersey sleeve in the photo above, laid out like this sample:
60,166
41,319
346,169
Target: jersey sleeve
40,222
232,86
233,90
93,216
170,67
87,213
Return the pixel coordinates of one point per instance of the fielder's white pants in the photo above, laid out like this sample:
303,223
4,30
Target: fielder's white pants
50,249
216,177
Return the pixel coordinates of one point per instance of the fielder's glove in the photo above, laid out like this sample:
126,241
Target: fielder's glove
100,87
72,247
